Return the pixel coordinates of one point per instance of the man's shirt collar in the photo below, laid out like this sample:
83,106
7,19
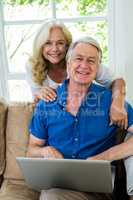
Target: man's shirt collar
62,92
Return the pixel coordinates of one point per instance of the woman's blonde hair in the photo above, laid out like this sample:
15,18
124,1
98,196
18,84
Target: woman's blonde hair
38,63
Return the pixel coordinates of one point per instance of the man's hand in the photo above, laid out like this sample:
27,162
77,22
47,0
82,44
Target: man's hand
101,156
118,114
50,152
37,148
117,152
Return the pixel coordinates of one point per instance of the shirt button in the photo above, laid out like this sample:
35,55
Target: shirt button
73,156
76,139
76,120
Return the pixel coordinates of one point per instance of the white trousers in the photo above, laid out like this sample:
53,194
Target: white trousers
129,170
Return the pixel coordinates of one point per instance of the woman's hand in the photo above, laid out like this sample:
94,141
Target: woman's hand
46,93
118,114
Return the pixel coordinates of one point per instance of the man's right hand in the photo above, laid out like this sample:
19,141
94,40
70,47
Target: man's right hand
50,152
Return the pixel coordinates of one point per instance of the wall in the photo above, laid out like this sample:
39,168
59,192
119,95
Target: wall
3,61
123,39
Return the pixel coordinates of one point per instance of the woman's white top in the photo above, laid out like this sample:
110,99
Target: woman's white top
104,76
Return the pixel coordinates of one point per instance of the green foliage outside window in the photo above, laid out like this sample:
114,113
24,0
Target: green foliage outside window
83,8
26,2
97,6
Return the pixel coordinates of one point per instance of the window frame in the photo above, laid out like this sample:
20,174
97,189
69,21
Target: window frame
6,75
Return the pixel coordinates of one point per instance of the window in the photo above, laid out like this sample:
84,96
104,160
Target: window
20,21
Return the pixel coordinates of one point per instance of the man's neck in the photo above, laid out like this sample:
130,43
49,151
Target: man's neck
75,88
76,94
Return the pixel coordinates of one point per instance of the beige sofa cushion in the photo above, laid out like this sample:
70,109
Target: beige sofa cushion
17,135
17,191
3,112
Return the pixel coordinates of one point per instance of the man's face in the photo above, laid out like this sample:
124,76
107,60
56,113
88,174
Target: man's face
83,64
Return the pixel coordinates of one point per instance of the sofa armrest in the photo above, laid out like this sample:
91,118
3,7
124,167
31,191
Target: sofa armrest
3,115
1,179
120,191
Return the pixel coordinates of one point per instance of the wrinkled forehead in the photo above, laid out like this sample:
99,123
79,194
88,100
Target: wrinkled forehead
85,49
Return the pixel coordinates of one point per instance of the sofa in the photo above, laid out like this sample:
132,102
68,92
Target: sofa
14,119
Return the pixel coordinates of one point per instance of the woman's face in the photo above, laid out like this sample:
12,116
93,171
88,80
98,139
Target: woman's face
54,49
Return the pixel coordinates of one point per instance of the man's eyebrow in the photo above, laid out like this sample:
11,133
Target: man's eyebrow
89,57
92,57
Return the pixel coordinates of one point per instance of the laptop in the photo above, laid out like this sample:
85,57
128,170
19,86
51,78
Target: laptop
80,175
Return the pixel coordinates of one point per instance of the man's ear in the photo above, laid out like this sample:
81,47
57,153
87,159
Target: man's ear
98,66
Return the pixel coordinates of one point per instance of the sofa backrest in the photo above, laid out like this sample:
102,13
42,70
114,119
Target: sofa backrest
17,135
3,112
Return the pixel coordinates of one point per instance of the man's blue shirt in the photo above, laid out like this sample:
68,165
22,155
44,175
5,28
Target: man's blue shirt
81,136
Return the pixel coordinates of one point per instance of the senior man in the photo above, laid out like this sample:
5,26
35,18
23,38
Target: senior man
76,125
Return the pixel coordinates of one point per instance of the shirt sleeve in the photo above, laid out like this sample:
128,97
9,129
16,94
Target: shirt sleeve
38,125
105,76
34,86
129,110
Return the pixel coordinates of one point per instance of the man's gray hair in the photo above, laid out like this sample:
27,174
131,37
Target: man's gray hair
86,40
